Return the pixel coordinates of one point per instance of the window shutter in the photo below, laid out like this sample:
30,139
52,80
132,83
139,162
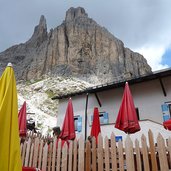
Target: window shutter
105,118
79,124
165,111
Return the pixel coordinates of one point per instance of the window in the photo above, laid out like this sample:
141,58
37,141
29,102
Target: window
166,110
103,116
78,123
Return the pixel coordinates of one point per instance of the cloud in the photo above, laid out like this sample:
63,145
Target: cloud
153,56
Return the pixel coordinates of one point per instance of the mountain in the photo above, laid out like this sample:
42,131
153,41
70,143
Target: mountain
79,47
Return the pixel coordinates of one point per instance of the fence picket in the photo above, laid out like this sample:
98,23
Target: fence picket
138,156
162,153
94,155
31,155
107,166
70,156
169,150
64,157
45,155
81,154
113,152
145,153
129,154
27,152
75,155
50,157
88,156
58,156
152,151
120,156
36,150
24,152
54,154
100,153
40,155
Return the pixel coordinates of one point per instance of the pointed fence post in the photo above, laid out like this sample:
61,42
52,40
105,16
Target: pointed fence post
120,156
88,156
100,153
138,156
152,151
35,152
58,163
64,166
70,161
40,155
50,157
27,153
81,154
113,152
107,164
45,154
94,154
129,154
145,153
169,149
75,155
54,153
162,153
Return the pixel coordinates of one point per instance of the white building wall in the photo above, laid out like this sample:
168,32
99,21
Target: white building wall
148,97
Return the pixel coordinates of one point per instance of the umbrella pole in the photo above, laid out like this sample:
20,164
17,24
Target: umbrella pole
86,116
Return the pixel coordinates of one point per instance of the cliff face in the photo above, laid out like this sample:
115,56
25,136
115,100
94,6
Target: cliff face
79,47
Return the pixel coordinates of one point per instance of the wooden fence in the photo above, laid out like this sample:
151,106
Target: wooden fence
106,156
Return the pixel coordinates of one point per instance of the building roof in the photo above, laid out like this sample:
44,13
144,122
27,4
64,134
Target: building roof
116,84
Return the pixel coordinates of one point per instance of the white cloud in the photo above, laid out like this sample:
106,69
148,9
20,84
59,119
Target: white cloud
153,54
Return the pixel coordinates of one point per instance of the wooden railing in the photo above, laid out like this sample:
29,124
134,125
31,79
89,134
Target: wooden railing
106,156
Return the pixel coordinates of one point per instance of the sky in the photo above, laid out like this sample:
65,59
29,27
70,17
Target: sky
143,25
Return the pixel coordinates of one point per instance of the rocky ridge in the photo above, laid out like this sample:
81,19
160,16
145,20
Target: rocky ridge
37,95
79,47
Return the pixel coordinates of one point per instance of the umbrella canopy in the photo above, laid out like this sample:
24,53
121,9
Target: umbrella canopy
68,128
95,129
127,118
167,124
10,158
22,120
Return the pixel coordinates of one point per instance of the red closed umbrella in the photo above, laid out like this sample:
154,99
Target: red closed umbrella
68,128
167,124
127,118
95,129
22,121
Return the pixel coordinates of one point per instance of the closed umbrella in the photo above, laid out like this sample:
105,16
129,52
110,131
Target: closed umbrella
68,128
95,129
22,121
167,124
10,156
127,118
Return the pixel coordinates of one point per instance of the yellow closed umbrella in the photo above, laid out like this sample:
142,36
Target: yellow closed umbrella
10,157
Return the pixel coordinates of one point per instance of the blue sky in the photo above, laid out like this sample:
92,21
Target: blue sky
144,26
166,59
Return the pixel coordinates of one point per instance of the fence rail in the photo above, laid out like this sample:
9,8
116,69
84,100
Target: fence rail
81,155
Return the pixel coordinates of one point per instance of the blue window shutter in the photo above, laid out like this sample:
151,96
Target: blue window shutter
105,118
165,111
79,124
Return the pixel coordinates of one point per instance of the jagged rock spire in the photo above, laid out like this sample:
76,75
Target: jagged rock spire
40,32
73,13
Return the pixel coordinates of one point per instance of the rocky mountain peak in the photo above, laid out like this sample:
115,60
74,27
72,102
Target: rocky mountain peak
74,13
79,48
40,32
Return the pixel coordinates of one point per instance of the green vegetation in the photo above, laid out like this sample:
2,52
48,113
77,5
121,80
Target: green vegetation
50,93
